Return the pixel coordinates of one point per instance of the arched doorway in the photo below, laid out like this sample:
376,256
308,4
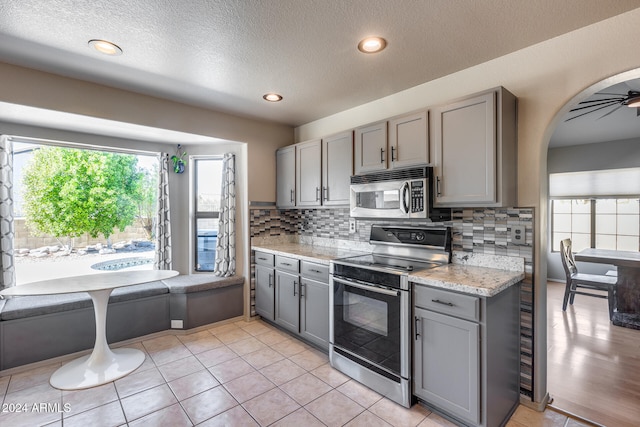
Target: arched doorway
591,364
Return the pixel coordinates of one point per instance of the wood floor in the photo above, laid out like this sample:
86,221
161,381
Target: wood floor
593,367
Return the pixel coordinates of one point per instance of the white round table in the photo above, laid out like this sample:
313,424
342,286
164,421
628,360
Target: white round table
103,365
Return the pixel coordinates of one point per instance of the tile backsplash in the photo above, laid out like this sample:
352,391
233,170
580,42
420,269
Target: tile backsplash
477,230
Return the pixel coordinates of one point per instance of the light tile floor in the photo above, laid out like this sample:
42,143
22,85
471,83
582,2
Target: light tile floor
236,374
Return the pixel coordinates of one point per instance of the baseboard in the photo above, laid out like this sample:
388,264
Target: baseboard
536,406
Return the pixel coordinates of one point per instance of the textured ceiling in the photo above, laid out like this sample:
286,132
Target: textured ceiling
225,55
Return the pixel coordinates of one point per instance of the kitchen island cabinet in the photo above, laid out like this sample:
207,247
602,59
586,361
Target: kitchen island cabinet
466,354
474,151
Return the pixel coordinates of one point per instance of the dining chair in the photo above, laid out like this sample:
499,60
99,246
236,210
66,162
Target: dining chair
576,281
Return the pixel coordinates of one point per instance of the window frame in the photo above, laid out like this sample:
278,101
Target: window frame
195,213
593,218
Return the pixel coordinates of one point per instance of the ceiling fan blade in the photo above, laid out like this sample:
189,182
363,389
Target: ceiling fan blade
637,111
606,104
612,111
590,101
610,94
590,111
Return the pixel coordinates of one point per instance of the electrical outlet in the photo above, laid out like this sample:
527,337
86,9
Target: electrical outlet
177,324
518,235
352,226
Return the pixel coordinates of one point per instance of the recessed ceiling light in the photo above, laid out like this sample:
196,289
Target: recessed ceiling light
105,47
372,45
272,97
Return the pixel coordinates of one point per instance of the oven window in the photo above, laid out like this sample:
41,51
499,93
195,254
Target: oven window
367,323
366,313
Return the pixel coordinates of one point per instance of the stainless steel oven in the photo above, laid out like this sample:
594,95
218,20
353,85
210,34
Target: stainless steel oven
370,307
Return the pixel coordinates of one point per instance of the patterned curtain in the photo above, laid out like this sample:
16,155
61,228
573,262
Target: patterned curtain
226,245
163,223
7,230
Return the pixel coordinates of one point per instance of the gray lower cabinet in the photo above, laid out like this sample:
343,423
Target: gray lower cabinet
287,301
466,354
265,297
295,295
447,363
265,285
314,311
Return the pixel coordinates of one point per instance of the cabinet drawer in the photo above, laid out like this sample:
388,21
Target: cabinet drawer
463,306
315,271
287,264
263,258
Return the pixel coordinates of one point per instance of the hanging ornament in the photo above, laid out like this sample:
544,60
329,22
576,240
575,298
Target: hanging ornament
178,160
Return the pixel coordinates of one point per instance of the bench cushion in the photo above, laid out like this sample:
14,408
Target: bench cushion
185,284
28,306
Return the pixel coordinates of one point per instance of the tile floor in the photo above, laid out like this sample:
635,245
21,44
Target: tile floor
236,374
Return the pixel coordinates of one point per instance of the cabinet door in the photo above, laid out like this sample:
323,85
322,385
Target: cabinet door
447,364
371,148
337,168
314,312
265,292
308,171
465,152
287,301
408,141
286,177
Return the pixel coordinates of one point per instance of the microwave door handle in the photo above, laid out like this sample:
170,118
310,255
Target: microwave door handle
404,198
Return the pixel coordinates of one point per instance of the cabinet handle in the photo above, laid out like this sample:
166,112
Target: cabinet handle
437,301
325,191
301,288
270,280
286,263
393,157
314,270
262,258
438,193
294,288
417,323
292,193
382,155
317,194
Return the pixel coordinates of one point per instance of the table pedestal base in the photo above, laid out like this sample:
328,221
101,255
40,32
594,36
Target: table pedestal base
85,373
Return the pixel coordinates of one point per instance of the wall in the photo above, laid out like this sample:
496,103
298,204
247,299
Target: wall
545,78
31,102
474,230
587,157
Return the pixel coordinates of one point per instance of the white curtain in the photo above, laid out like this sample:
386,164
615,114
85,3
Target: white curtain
163,224
226,245
7,230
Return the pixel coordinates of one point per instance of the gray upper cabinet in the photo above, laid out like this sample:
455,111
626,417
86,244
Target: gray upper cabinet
308,173
408,141
337,168
474,150
286,177
371,148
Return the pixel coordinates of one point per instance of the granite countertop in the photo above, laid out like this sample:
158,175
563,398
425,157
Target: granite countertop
481,281
470,273
306,252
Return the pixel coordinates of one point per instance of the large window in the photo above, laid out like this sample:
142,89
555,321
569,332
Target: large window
207,172
603,223
80,211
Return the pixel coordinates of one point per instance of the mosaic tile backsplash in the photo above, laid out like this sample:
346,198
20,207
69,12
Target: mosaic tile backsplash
481,230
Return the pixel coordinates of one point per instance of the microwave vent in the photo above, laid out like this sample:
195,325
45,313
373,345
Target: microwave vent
394,175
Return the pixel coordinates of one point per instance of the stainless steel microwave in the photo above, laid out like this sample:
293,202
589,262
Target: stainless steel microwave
404,193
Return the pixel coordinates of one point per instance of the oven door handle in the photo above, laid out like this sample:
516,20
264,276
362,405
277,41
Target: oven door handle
372,288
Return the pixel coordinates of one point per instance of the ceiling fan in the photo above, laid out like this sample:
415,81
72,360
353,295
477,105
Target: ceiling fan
631,100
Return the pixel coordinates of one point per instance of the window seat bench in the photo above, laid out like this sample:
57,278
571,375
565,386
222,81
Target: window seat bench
200,299
36,328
